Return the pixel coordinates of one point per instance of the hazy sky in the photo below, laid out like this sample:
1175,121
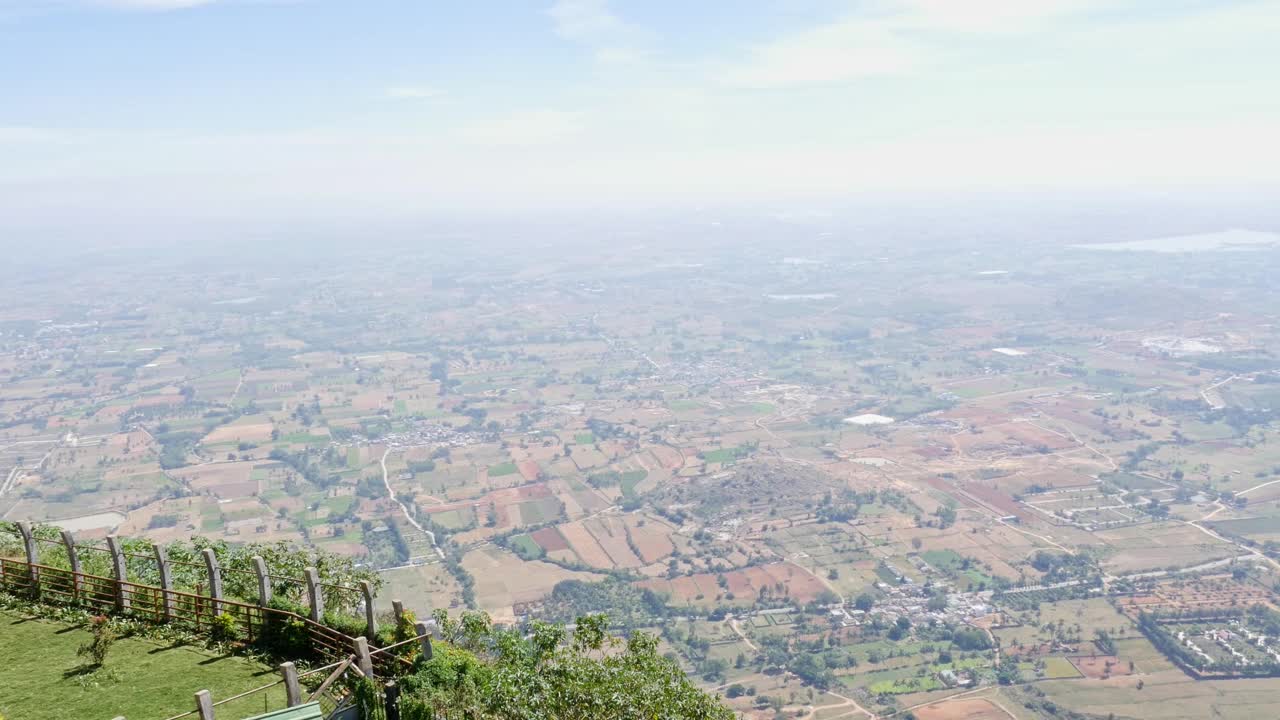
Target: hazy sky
230,107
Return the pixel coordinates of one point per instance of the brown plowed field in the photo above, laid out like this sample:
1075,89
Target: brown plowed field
528,470
585,545
550,539
966,709
651,541
1096,666
612,536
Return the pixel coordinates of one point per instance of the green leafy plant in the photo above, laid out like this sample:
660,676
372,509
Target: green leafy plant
223,629
345,624
486,673
102,638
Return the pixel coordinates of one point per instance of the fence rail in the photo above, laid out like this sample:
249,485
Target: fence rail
27,577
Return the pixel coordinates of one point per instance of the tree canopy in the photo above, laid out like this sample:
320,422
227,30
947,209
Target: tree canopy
487,673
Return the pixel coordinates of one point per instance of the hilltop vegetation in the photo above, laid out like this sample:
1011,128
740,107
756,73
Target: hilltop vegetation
43,678
491,674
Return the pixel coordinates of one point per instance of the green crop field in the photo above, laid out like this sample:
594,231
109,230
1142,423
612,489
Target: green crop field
525,545
539,511
630,479
41,678
584,438
507,468
1249,526
952,563
339,505
724,455
1054,668
302,438
1129,481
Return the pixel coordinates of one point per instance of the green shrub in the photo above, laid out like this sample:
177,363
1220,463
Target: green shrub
506,675
405,626
345,624
283,636
224,628
104,636
284,604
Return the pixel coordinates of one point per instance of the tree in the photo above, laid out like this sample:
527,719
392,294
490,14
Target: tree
970,639
864,602
493,674
1008,674
946,517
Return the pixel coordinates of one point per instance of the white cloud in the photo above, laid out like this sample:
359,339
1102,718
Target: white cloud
30,135
834,53
986,16
585,19
408,92
524,127
593,24
895,38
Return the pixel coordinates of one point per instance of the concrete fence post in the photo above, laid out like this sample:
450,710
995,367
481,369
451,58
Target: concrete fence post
215,579
363,660
33,557
119,571
292,689
167,601
73,559
397,610
370,617
392,703
314,595
264,581
204,705
424,637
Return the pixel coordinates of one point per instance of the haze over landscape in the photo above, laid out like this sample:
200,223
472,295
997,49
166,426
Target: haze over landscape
856,359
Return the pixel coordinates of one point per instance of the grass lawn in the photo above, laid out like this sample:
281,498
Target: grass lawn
41,678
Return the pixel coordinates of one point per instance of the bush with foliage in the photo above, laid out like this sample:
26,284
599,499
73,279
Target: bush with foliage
490,674
630,606
103,637
285,637
223,629
346,624
286,562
